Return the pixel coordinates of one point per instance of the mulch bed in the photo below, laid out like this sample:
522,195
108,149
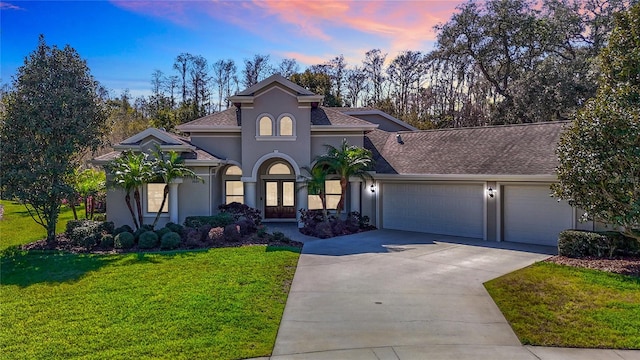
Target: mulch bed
62,243
625,266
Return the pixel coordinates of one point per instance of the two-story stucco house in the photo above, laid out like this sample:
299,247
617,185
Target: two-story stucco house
490,183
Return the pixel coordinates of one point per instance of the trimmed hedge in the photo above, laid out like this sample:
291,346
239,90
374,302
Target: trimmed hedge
170,240
219,220
148,240
124,240
578,243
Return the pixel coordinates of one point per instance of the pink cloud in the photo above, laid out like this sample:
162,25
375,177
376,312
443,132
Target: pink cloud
398,25
8,6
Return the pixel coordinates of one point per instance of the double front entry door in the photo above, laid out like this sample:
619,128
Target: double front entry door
280,198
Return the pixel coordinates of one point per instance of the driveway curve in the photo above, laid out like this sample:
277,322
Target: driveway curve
388,294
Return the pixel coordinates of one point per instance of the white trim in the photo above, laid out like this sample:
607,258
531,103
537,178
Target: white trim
293,126
153,132
265,157
259,120
485,211
275,138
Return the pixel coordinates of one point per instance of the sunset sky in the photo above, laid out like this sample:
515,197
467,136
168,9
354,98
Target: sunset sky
125,41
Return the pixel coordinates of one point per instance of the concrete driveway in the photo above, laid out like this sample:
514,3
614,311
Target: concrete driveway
400,295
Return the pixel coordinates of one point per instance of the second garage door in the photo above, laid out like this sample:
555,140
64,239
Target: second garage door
531,216
434,208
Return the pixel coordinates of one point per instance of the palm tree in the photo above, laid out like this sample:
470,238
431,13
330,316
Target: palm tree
346,161
315,185
130,171
169,167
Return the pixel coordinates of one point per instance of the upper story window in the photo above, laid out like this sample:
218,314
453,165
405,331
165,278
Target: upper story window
233,170
285,126
265,126
282,129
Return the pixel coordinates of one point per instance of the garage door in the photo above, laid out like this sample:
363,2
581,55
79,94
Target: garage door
434,208
531,216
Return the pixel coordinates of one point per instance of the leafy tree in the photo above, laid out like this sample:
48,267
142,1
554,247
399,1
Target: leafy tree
88,184
53,114
315,185
599,153
169,167
346,161
131,171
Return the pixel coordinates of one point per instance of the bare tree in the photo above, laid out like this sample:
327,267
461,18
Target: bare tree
181,64
288,67
356,84
256,70
373,67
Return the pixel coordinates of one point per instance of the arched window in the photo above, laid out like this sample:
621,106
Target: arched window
279,169
286,126
233,170
265,126
233,186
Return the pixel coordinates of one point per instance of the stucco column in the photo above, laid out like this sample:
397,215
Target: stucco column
355,195
173,200
250,194
302,199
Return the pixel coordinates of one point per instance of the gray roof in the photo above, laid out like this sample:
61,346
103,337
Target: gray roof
226,118
328,116
525,149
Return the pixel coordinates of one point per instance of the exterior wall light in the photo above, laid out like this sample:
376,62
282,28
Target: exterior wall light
372,188
491,192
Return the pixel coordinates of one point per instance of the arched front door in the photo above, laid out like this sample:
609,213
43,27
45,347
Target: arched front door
279,191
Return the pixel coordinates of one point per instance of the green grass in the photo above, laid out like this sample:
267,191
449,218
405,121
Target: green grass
218,304
17,227
554,305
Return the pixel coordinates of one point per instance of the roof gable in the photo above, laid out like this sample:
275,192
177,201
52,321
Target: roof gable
279,79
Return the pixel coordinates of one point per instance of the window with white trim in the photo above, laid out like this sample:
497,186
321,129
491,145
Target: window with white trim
155,194
279,169
233,186
265,126
285,126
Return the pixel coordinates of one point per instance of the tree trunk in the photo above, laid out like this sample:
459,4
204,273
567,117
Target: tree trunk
323,199
127,199
164,200
73,208
343,194
51,223
136,196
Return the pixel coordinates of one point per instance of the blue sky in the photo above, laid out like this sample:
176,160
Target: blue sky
125,41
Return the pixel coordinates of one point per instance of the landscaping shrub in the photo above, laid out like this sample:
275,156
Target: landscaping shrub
232,233
280,237
106,226
176,228
247,226
162,231
216,234
148,240
323,230
577,243
106,241
124,240
238,210
72,224
170,240
100,217
121,229
141,230
96,227
261,231
220,219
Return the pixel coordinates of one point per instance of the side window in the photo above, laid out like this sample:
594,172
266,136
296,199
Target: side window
155,194
233,186
333,191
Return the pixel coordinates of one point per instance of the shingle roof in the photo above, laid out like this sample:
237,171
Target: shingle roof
527,149
226,118
329,116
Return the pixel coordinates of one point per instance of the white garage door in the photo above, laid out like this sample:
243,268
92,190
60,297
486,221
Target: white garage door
434,208
531,216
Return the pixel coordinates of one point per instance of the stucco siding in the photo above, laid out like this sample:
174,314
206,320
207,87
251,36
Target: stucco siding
275,102
227,146
194,195
334,139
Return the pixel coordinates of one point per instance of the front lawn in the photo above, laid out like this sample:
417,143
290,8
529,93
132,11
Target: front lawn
218,304
556,305
18,228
